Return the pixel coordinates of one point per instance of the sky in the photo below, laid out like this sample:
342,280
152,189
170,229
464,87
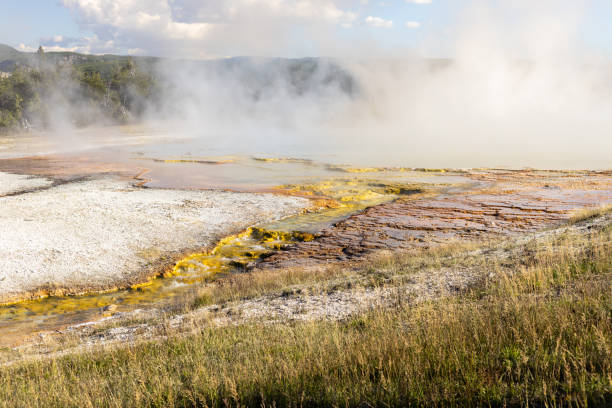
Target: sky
287,28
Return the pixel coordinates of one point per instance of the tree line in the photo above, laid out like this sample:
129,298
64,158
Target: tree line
102,91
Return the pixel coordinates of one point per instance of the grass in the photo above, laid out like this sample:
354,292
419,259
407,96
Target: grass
377,271
538,334
589,213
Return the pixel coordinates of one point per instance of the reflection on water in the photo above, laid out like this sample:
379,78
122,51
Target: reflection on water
244,173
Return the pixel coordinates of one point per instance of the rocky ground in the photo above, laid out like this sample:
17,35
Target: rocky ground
12,184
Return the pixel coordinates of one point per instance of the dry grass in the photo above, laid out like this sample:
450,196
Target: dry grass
588,213
380,269
541,335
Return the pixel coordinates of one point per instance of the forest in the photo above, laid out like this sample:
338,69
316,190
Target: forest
78,90
44,90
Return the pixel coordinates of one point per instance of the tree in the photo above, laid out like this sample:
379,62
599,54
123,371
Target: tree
40,56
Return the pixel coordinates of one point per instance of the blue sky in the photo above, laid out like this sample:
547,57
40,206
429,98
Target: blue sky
31,21
295,28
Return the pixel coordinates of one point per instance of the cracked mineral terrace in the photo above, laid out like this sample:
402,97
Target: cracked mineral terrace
504,209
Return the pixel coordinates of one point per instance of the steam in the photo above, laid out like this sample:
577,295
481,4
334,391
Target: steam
518,88
518,94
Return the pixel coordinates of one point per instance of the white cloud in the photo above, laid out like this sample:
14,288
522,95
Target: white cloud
25,48
55,48
136,51
145,19
378,22
195,28
58,48
412,24
419,1
186,31
83,45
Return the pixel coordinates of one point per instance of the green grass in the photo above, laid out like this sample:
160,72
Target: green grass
540,335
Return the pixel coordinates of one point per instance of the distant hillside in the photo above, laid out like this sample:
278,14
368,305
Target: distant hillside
8,52
10,58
